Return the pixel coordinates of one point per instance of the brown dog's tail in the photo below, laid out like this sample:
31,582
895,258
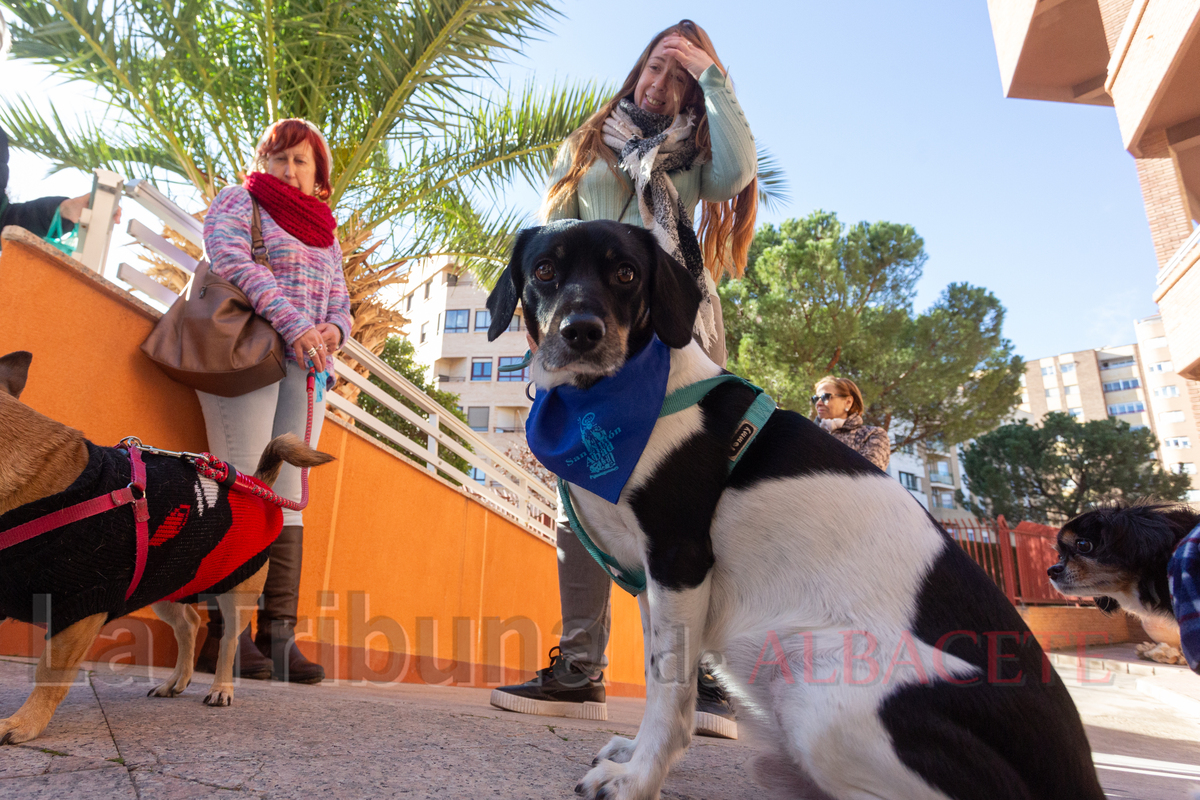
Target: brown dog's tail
291,449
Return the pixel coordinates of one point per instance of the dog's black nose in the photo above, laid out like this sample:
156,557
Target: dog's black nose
1056,571
582,331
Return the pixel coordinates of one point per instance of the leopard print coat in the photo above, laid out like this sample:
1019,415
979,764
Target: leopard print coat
867,440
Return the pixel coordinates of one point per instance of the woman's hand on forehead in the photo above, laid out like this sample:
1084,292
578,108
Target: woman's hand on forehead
689,56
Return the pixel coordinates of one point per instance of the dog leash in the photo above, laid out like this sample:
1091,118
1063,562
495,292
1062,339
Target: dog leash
748,427
134,494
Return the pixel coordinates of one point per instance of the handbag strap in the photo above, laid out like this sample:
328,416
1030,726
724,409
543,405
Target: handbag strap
258,248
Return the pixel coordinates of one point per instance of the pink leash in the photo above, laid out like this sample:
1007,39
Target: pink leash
134,494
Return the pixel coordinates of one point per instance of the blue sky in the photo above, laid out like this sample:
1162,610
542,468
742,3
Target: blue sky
893,111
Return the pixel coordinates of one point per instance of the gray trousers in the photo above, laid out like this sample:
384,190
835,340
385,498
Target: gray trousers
239,428
584,589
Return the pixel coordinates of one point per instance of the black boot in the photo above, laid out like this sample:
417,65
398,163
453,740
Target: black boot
276,638
247,663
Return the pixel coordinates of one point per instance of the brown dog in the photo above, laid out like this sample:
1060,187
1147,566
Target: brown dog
40,460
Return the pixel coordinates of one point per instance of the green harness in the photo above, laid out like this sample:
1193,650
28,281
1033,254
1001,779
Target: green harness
634,580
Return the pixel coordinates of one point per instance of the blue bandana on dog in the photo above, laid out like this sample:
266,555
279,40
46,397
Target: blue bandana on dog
594,437
1184,574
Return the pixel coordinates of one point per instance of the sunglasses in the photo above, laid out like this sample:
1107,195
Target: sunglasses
824,398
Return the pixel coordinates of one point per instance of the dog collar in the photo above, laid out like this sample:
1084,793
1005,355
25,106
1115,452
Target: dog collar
752,421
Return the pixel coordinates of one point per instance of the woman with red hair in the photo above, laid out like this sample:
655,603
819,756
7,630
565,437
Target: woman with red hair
303,295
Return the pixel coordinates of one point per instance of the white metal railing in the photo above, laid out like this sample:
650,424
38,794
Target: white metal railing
1185,257
507,487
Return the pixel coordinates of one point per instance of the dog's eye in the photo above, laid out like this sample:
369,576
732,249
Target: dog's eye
544,271
625,273
1083,546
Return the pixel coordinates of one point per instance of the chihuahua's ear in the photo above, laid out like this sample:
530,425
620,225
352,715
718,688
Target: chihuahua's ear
1107,605
14,371
674,298
502,302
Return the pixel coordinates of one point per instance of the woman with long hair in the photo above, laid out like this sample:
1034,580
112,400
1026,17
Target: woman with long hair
672,138
303,295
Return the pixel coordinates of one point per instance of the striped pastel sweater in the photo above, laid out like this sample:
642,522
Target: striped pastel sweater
304,286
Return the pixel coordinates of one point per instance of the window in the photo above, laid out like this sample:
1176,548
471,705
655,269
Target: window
940,471
1125,362
1047,370
517,375
477,475
1177,443
1167,391
1071,390
943,499
438,327
1065,368
910,481
1171,416
483,320
1187,468
1022,379
408,303
1157,341
1162,366
1024,398
424,332
1075,413
481,369
1052,391
428,284
515,323
451,279
456,320
1117,386
1127,408
477,418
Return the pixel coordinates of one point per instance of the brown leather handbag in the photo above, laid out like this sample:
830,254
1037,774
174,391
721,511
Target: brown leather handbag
212,340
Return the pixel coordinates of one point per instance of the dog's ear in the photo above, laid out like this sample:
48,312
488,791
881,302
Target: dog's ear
674,298
502,302
14,371
1107,605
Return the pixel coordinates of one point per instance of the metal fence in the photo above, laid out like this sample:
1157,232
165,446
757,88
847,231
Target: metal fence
495,480
1016,559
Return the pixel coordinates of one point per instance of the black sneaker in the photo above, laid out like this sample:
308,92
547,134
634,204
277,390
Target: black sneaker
559,690
714,714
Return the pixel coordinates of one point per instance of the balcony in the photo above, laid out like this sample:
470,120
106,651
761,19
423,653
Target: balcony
944,478
451,378
1177,294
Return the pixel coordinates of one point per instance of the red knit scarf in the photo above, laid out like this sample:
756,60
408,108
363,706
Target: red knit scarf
301,215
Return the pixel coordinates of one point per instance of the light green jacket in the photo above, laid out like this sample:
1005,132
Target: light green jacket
734,163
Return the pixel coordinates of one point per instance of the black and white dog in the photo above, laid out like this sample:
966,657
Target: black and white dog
869,653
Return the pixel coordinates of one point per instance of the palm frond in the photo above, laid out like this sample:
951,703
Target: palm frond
773,191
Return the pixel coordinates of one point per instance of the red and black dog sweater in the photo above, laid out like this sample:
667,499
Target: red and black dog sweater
204,540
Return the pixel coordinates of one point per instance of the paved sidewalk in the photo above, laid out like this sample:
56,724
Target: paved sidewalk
108,740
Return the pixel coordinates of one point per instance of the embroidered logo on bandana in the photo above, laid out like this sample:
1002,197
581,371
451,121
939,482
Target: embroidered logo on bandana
594,437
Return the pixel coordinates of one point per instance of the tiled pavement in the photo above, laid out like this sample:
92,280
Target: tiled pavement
109,740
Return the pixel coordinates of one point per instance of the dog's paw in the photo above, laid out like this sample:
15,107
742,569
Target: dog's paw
219,697
16,730
611,781
1162,653
171,688
619,750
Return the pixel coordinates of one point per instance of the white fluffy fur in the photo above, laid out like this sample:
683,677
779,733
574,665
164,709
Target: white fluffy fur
789,561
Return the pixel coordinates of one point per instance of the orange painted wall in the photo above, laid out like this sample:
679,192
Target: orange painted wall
404,578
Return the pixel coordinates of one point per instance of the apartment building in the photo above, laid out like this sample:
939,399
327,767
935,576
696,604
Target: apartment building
448,329
1142,57
1174,404
1136,383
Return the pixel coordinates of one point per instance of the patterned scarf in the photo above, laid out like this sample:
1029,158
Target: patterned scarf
648,146
301,215
1183,571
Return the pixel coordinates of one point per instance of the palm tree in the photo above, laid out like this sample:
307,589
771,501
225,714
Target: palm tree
401,89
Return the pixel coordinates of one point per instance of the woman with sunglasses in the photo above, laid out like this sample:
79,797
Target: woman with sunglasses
839,407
